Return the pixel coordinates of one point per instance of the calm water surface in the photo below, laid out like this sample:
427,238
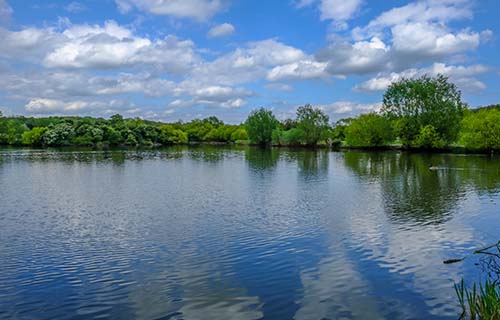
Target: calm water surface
219,233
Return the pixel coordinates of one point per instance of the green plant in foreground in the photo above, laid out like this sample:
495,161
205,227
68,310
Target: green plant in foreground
479,304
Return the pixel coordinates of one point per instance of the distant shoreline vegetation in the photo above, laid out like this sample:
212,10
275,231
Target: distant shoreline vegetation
417,114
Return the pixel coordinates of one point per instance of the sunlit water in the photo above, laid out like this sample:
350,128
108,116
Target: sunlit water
240,233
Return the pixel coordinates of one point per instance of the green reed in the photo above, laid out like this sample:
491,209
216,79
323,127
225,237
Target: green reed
482,303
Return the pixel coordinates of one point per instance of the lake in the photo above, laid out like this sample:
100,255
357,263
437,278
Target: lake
240,233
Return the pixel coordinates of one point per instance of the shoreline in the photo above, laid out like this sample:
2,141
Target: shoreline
450,150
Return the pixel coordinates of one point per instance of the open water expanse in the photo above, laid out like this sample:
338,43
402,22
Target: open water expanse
240,233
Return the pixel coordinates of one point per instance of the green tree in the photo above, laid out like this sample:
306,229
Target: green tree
288,124
338,132
116,121
260,125
212,135
198,129
277,136
3,131
226,131
145,133
34,137
170,135
429,138
239,134
111,136
131,140
222,133
313,123
481,130
13,131
178,137
88,135
59,135
293,137
416,103
369,130
214,121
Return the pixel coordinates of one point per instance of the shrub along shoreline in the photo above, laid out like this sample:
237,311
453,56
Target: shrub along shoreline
424,114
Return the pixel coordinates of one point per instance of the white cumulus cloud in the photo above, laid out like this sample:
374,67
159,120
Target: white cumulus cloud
463,76
41,105
338,11
300,70
423,11
114,46
361,57
221,30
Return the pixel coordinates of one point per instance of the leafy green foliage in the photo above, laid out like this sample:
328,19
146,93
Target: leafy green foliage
59,135
131,140
240,134
416,103
170,135
277,136
293,137
260,125
313,123
34,137
429,138
288,124
111,135
11,131
197,129
369,130
88,135
492,106
86,131
338,132
481,130
224,133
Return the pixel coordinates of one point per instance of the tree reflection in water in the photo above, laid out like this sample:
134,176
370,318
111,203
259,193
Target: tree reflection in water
413,192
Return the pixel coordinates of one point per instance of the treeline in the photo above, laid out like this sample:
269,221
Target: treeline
423,113
116,131
310,128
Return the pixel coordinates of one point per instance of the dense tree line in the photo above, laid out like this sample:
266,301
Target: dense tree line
423,113
87,131
426,113
309,128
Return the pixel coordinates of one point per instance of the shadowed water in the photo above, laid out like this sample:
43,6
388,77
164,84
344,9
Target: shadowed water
240,233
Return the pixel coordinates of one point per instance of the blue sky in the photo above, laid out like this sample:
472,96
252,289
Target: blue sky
183,59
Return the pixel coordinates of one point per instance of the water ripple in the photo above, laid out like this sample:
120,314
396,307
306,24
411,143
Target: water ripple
238,233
